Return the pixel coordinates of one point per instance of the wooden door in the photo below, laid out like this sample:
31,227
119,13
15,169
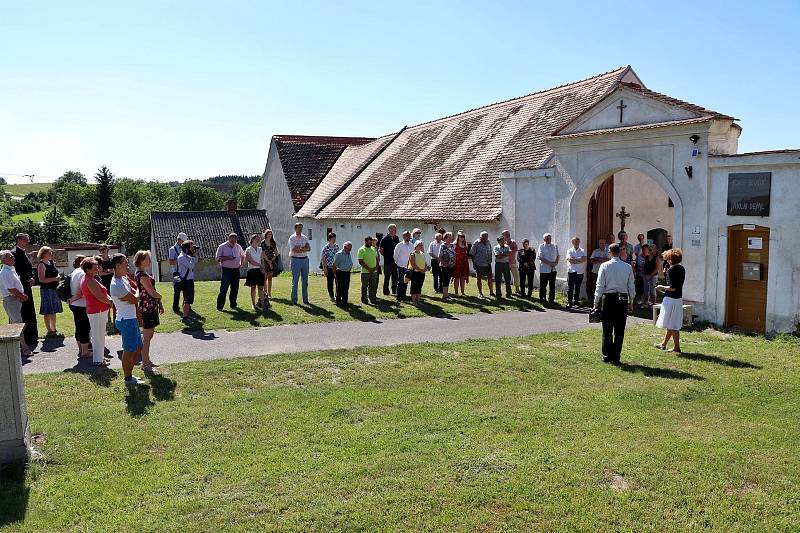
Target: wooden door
600,215
748,268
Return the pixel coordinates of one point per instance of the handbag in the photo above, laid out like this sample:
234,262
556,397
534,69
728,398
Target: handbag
596,315
409,269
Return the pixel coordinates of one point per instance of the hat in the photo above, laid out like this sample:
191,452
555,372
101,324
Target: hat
183,237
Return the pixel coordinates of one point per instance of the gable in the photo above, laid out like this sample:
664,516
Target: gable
638,109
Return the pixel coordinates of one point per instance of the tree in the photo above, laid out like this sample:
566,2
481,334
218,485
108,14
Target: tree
3,181
247,196
73,196
55,227
104,193
196,197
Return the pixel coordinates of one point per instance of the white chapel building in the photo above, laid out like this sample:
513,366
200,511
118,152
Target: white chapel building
566,161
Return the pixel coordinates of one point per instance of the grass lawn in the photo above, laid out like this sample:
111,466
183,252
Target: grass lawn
36,216
321,310
21,189
527,433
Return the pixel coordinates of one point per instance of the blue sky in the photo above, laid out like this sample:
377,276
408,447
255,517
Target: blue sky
174,90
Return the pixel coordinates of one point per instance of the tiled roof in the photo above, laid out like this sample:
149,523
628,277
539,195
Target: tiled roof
349,164
763,152
674,101
208,229
306,159
448,169
625,129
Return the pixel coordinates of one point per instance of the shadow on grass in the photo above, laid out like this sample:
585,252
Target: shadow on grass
99,375
13,494
359,313
655,372
733,363
137,400
163,387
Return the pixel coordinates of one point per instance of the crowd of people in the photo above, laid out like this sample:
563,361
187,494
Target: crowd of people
102,289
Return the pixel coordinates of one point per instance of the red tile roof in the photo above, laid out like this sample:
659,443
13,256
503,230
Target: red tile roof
307,159
448,169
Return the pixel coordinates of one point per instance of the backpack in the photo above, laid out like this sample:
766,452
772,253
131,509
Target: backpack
64,289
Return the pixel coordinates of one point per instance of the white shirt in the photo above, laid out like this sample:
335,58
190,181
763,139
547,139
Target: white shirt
433,250
174,252
75,286
572,253
548,252
615,276
599,254
402,252
255,254
119,288
298,241
9,280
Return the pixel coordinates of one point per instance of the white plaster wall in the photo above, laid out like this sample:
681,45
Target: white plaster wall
661,153
355,231
274,197
645,200
783,284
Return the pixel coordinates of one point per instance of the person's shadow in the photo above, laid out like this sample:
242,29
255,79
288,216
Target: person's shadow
656,372
733,363
14,494
99,375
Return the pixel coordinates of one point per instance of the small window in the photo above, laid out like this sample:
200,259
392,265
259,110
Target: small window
310,238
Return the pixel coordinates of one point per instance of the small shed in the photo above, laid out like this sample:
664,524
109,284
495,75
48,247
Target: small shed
208,229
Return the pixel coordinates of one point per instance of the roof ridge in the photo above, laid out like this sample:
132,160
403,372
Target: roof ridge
619,70
672,100
323,139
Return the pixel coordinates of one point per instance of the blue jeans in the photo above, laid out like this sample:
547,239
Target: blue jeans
299,268
230,280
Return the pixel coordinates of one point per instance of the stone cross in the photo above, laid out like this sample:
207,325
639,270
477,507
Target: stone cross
621,107
622,215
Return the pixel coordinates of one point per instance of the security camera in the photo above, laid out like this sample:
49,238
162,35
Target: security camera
694,139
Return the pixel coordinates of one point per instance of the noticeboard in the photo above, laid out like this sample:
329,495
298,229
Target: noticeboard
749,193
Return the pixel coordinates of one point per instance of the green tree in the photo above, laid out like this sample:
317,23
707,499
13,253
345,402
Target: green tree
196,197
104,203
247,196
73,196
56,228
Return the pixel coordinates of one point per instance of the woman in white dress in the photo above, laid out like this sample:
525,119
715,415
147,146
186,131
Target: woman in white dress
671,315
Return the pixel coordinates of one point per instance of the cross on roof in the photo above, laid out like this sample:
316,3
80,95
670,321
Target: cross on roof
621,107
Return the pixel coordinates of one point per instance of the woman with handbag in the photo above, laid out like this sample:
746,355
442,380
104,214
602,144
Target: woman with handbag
417,266
671,315
447,262
48,281
149,305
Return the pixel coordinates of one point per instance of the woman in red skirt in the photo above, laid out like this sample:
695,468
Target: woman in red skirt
461,270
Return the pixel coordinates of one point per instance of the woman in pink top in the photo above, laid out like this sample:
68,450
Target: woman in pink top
97,305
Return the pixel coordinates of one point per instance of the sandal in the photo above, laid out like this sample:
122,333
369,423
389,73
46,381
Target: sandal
660,347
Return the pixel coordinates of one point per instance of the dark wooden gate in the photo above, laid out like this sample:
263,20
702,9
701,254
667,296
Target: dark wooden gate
601,214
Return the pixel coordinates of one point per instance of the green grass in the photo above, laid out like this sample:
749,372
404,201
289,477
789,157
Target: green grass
516,434
321,310
36,216
21,189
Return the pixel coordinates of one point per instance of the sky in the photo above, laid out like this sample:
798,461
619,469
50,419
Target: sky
177,90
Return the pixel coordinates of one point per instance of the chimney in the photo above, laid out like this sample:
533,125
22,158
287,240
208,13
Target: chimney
231,206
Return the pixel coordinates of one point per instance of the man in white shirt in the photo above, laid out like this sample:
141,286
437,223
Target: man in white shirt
615,291
576,259
598,257
125,299
548,257
299,246
13,294
401,253
433,256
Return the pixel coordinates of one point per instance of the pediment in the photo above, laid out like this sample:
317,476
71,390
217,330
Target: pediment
637,109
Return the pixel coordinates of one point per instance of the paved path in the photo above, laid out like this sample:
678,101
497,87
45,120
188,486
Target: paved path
207,345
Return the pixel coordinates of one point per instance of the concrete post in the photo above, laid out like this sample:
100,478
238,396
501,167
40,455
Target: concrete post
15,434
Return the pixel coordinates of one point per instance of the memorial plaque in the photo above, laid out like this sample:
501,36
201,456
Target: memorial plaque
749,193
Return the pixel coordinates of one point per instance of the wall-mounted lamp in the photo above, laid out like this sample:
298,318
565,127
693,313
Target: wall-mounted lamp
688,171
694,139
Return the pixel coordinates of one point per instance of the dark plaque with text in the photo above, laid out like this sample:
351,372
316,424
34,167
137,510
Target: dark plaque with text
749,193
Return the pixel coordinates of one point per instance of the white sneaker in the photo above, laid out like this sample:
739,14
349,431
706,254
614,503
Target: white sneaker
133,381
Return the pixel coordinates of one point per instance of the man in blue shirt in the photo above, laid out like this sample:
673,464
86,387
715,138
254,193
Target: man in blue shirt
342,265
